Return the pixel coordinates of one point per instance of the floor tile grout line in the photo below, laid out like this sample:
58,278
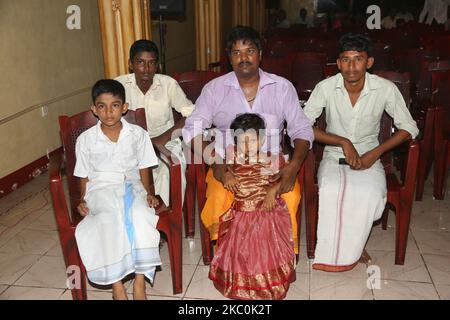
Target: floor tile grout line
192,277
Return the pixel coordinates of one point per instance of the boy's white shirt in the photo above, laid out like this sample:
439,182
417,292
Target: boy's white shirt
97,154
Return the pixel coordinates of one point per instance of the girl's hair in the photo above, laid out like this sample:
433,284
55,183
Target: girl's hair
245,122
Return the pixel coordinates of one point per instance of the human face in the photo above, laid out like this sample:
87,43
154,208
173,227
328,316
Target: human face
353,65
109,109
248,143
245,58
144,65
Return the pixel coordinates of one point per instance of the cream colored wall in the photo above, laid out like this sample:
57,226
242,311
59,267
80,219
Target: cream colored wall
40,61
180,41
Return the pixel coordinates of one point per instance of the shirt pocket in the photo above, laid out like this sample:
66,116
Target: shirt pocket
158,113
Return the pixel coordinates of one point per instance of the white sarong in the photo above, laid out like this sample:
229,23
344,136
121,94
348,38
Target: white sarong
105,247
349,202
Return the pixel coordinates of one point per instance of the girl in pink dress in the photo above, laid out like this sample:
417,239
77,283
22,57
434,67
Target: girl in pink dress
255,257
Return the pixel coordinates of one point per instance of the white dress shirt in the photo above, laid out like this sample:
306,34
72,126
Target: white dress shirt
360,123
435,9
164,94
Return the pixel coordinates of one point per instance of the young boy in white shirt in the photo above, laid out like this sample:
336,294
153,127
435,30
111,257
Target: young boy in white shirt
118,234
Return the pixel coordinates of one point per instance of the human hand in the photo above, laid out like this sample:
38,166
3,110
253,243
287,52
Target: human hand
270,200
152,201
287,176
229,181
83,210
368,159
351,155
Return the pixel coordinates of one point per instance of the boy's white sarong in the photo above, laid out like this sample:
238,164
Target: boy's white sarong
102,239
349,202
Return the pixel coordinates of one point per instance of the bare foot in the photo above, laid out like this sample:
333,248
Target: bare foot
139,288
365,258
119,292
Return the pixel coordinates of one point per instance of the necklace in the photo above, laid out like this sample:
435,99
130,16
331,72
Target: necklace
250,100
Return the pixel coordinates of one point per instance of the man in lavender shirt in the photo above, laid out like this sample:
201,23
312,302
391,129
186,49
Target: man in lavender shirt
247,89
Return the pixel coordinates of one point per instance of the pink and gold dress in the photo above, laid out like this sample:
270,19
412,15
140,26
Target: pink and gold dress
255,257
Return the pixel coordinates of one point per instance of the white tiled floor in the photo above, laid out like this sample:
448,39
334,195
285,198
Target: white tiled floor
32,267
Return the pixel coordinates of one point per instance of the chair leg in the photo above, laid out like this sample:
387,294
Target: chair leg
207,250
79,292
384,219
421,175
176,258
440,172
189,202
311,228
403,215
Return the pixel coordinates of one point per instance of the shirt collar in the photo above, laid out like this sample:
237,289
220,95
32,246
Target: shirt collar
126,129
232,81
132,79
370,83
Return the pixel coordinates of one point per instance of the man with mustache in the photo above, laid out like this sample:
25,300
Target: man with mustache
247,89
158,94
352,196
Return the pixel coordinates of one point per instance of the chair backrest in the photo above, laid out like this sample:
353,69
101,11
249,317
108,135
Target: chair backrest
408,60
192,82
401,80
382,54
441,97
424,85
308,69
281,66
71,128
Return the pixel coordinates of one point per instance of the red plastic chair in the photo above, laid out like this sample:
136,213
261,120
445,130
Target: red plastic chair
399,195
308,69
279,65
192,83
425,123
441,98
67,220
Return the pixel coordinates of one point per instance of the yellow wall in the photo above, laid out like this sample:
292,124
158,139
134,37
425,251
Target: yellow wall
40,61
180,41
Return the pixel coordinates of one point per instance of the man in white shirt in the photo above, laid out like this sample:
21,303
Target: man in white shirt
353,196
303,18
434,10
283,21
158,94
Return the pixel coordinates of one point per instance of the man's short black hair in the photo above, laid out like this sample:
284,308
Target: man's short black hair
143,46
244,33
111,86
247,121
355,42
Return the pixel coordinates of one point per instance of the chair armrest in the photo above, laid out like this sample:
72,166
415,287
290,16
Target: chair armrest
57,192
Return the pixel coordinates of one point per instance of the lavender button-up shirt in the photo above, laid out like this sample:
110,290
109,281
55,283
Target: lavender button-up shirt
222,99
